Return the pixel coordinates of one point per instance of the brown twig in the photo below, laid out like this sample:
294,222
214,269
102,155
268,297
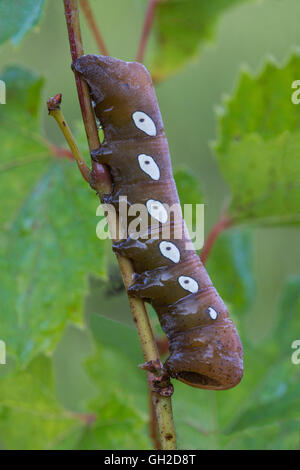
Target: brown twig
102,184
153,424
86,8
162,346
148,22
76,48
159,379
223,223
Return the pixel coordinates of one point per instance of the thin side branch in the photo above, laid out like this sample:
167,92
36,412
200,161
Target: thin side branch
59,152
163,406
222,224
88,13
54,110
148,22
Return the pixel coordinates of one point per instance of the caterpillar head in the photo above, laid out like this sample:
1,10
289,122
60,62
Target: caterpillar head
209,357
204,345
125,101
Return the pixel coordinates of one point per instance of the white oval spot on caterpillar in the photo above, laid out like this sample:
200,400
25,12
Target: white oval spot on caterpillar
212,313
144,122
157,210
149,166
188,283
170,251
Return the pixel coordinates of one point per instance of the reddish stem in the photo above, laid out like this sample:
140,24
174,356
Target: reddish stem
162,345
223,223
86,8
149,17
60,152
86,418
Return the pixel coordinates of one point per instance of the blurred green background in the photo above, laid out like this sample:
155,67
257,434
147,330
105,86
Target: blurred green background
99,398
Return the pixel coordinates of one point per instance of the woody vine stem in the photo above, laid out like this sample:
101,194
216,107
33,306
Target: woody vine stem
99,179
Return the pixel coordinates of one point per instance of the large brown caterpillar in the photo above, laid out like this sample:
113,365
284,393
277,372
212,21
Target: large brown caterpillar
204,347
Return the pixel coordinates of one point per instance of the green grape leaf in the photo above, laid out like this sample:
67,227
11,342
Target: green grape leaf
288,325
188,187
270,390
117,425
279,436
231,264
48,252
195,424
116,335
17,17
258,146
48,239
74,389
267,397
181,27
24,156
191,198
28,396
284,408
287,436
108,298
122,398
112,390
